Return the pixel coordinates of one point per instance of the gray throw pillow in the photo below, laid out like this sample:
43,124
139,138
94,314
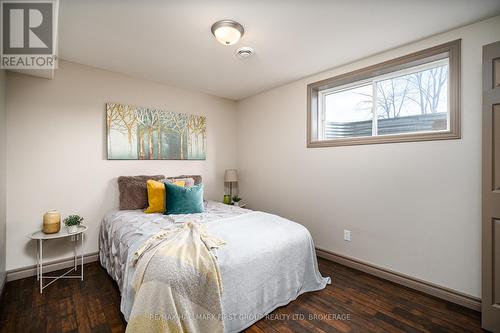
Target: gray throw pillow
134,192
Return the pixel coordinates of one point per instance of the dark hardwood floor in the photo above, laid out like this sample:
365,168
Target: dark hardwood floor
354,302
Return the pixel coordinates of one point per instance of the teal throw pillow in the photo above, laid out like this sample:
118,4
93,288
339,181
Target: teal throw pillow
183,200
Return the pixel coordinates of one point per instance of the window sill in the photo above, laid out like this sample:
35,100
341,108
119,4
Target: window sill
397,138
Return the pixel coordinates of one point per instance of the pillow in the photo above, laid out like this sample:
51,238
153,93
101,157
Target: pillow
184,200
156,195
197,178
180,183
133,191
187,182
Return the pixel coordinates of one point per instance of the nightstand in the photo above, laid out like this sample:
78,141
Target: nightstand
40,237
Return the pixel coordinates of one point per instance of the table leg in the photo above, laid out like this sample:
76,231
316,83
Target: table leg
37,261
75,256
81,252
40,250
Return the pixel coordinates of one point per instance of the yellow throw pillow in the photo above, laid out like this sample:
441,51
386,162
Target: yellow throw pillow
156,195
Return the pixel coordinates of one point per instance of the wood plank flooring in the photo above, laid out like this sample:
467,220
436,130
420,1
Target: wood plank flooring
354,302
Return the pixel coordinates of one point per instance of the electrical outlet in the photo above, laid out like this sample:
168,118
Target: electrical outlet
347,235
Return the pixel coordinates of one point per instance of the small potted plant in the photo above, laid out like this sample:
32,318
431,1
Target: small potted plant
72,222
236,200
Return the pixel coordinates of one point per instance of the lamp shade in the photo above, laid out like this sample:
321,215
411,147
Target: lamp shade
231,175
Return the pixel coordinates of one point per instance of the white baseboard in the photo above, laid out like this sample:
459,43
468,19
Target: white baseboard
23,272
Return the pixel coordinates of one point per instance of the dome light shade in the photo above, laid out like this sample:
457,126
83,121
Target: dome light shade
227,32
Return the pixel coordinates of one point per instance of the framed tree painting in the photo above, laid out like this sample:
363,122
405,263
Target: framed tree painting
137,133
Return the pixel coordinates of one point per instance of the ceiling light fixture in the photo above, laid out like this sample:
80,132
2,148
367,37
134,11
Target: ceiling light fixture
227,32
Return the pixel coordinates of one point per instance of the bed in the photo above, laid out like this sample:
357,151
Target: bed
267,262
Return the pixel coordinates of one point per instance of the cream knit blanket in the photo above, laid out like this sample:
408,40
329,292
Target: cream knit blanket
177,283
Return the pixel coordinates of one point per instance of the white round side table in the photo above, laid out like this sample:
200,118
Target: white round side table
40,237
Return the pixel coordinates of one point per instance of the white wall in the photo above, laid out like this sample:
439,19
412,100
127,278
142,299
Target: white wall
412,207
2,179
56,149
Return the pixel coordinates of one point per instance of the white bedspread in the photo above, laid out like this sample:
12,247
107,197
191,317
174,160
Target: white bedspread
267,262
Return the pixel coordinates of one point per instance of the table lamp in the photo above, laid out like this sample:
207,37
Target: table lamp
231,176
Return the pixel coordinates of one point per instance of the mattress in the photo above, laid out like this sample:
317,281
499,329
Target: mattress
267,262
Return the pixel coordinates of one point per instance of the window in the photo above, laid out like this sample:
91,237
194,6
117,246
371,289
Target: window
412,98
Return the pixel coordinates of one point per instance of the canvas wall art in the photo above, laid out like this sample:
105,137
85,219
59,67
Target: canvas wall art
137,133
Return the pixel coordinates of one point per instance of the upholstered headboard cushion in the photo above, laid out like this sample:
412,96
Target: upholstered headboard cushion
133,191
197,178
